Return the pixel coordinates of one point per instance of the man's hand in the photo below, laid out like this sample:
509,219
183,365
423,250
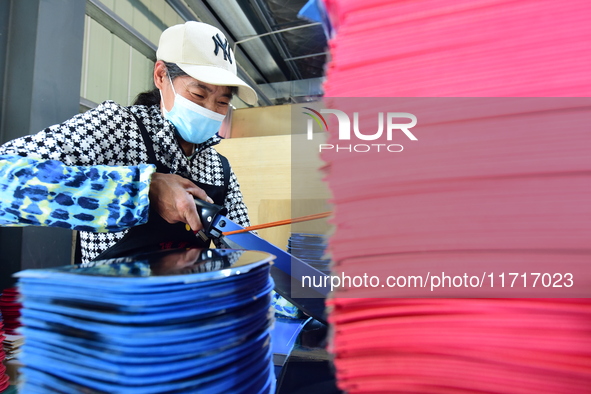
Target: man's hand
172,196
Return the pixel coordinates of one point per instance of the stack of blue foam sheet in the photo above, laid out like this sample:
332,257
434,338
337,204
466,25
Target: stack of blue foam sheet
310,248
185,321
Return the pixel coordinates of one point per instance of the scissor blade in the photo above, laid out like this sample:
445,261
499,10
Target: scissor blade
301,284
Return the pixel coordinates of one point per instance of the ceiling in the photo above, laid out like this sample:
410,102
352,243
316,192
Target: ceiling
280,54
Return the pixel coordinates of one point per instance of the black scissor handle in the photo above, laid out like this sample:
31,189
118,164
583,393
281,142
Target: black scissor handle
207,213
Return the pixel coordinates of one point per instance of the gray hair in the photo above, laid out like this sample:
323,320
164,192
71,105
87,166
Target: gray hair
152,97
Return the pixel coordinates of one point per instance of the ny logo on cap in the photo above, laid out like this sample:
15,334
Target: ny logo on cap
223,45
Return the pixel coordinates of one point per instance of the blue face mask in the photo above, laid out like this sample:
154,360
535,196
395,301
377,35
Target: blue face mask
194,123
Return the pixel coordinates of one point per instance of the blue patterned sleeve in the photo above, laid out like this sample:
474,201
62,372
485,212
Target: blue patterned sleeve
100,198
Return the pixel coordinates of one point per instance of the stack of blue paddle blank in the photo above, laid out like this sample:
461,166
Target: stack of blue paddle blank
190,321
310,249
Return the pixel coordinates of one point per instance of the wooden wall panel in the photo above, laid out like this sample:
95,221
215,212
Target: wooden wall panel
266,121
266,167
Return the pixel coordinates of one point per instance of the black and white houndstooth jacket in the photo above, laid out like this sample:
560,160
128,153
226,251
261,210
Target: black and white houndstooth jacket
109,135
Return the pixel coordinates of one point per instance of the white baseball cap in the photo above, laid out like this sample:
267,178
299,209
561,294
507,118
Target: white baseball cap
204,53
